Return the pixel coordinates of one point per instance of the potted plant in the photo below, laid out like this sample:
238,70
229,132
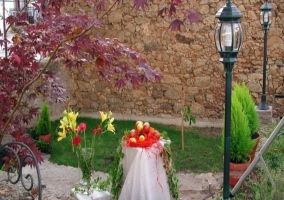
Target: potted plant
43,127
241,144
248,106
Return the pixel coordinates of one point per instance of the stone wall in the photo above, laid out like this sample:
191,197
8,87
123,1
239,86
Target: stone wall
188,60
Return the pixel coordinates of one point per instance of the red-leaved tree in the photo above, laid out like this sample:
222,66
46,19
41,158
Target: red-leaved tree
62,34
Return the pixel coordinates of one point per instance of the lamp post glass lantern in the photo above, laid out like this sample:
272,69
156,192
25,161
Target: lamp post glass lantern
228,40
265,21
266,15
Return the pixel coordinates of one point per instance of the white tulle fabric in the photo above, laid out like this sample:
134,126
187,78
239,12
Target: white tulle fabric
144,175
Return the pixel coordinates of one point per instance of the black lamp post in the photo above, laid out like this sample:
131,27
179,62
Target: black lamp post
228,40
265,21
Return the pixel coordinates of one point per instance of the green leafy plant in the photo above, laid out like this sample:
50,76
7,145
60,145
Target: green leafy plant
259,186
274,155
248,106
32,132
241,143
117,173
187,116
170,167
43,146
264,189
115,178
43,126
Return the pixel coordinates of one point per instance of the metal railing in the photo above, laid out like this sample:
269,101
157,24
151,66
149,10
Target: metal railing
15,170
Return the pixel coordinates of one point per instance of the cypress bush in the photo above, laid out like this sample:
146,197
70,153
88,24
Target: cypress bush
248,106
43,126
241,144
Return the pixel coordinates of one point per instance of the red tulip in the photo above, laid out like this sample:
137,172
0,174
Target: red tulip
82,127
98,130
76,141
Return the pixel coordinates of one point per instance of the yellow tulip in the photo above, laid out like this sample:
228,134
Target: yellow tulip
64,122
61,126
69,120
110,127
73,116
73,125
109,114
103,116
62,135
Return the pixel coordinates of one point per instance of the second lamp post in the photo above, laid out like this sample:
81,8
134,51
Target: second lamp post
265,21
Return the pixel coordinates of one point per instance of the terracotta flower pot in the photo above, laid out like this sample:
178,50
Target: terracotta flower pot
45,138
252,154
236,171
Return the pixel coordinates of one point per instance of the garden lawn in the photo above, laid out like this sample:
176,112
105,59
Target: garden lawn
201,146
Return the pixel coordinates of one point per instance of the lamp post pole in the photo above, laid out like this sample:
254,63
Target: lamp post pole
228,67
228,40
265,20
263,105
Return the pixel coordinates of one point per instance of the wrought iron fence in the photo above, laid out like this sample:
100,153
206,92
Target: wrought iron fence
15,166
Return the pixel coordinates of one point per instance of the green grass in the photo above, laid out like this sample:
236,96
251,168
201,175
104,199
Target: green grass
201,148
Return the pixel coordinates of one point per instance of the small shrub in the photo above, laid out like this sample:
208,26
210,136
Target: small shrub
43,126
241,143
248,106
43,146
33,133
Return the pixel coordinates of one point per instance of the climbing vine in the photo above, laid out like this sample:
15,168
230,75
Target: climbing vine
169,166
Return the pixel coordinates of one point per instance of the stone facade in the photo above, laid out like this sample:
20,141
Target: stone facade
188,60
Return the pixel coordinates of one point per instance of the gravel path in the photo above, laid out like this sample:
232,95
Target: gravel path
57,181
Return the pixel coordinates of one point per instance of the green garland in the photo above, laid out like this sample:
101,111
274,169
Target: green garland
115,178
117,173
166,154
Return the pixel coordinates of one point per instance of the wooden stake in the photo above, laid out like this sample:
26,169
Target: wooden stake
182,121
